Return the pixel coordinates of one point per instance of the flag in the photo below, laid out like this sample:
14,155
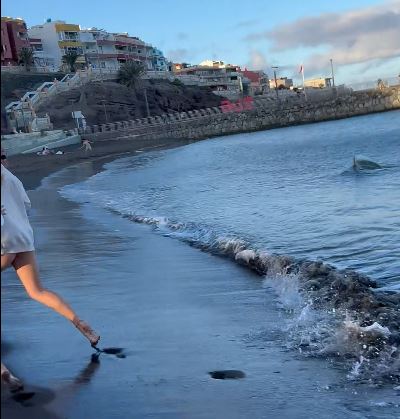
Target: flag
301,69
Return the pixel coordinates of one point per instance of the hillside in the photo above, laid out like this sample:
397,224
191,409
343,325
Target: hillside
110,102
15,85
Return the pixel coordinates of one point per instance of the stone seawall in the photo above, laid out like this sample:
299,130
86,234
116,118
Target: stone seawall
211,122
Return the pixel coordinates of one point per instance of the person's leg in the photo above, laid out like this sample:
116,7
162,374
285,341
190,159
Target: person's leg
7,260
27,271
6,376
26,267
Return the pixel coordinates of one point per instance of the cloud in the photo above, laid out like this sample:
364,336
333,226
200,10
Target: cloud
350,37
178,55
257,61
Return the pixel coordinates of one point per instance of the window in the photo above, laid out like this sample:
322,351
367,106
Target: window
22,35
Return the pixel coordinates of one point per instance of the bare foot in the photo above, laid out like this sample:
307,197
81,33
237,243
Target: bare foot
86,331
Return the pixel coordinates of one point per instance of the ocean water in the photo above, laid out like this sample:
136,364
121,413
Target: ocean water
322,232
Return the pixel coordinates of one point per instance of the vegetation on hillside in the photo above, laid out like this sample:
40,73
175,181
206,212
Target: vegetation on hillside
25,57
103,102
70,59
131,73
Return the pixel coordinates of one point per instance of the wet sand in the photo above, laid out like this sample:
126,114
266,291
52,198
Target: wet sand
178,312
31,168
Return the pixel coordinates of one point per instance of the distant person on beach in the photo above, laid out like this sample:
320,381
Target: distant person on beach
45,152
86,144
17,250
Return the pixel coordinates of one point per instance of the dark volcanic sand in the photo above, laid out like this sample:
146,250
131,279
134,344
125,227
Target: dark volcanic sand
31,168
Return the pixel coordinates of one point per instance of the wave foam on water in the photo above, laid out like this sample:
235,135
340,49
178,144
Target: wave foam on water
331,312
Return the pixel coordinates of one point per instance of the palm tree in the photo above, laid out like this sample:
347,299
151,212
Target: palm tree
25,57
70,58
130,73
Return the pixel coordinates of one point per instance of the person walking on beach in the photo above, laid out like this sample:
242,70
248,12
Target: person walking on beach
86,144
17,250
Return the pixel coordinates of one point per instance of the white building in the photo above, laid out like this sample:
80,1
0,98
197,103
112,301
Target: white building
99,49
223,79
95,47
108,51
57,38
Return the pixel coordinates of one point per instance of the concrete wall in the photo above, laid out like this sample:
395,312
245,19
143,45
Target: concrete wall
212,122
33,142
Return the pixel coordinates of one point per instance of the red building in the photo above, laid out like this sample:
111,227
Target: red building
14,37
259,82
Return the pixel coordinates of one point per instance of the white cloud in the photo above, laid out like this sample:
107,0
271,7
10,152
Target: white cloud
257,61
351,37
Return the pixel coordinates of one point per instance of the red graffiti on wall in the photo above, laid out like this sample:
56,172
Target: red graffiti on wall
241,105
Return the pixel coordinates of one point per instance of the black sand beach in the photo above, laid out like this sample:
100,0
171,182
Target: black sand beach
31,168
178,313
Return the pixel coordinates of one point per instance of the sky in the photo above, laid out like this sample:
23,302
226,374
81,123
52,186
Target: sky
362,37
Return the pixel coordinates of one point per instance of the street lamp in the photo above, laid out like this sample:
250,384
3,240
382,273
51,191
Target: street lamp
333,77
276,83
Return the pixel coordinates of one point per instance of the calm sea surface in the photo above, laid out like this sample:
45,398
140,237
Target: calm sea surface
288,191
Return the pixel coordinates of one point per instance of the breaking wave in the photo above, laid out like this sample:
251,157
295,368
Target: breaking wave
334,313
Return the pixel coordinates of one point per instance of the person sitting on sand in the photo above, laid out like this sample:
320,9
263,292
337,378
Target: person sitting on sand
86,144
17,250
45,151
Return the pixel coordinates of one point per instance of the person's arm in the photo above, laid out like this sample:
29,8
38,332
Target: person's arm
3,212
21,191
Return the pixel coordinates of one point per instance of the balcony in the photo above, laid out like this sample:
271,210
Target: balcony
95,55
68,36
69,44
106,42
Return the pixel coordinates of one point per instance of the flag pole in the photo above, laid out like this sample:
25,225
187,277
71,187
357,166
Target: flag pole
304,88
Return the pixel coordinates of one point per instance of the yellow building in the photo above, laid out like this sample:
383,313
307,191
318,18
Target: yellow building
57,39
281,83
318,83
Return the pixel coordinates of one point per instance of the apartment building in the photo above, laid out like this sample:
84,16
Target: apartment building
131,48
258,81
223,79
318,83
110,50
55,40
99,49
281,83
159,62
14,37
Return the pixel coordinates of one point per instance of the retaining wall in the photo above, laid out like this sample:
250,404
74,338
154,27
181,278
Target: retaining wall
32,142
265,114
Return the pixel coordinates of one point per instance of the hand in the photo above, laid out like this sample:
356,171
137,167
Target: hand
3,210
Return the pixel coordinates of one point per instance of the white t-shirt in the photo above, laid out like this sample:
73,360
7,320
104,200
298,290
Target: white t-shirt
16,232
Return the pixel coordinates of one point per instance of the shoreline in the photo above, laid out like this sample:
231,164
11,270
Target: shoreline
209,306
31,169
218,309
